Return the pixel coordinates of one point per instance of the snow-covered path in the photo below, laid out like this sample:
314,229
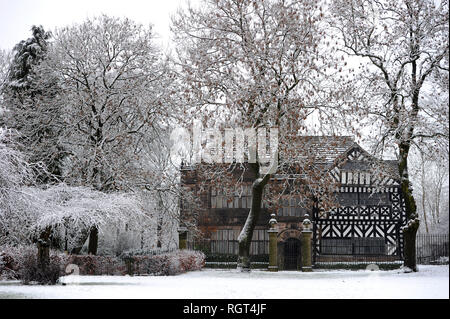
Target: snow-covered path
429,282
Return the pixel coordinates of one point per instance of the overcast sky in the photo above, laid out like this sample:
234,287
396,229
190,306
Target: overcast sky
17,16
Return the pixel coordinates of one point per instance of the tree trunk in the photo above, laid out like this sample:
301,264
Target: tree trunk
245,237
409,236
93,241
43,245
159,225
410,230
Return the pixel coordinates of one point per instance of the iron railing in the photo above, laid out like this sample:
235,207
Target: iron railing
432,248
228,247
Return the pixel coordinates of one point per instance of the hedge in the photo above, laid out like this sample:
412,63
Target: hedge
19,263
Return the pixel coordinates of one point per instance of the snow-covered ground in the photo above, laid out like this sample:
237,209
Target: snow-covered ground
429,282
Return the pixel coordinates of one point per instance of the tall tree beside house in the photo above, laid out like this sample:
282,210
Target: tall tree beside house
404,50
251,64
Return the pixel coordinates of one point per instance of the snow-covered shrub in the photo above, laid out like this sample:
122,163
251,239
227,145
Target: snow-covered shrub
7,267
167,264
11,261
144,252
14,261
20,263
140,265
190,260
97,265
443,260
32,272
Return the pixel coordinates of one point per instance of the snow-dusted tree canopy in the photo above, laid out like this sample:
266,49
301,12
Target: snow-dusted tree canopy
27,107
255,62
28,53
112,83
401,88
90,108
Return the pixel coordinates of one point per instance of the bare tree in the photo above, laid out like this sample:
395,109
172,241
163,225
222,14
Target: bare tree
404,47
252,64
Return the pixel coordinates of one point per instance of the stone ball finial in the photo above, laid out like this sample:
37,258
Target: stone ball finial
306,222
272,221
182,229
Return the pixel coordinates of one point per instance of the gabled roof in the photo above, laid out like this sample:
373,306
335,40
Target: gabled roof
327,152
321,151
324,149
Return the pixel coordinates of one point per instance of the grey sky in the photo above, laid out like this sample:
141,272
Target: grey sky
17,16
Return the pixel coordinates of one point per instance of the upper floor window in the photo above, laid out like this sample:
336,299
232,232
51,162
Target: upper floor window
355,178
364,199
374,199
291,206
240,198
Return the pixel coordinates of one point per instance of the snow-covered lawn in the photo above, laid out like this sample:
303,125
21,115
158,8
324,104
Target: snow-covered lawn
429,282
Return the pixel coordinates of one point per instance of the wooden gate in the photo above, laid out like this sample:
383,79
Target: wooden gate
291,254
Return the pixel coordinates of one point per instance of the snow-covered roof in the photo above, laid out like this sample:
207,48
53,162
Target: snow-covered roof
326,152
323,150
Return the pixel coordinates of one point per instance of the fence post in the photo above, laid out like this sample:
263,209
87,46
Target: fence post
273,265
130,265
182,238
306,245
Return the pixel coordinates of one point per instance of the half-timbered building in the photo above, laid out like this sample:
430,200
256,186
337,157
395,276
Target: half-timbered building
364,223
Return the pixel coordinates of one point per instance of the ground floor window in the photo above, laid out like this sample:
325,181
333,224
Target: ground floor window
353,246
225,241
